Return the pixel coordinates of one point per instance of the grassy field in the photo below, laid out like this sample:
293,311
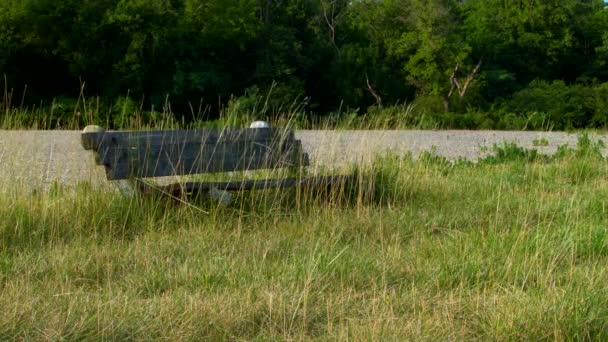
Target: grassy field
512,247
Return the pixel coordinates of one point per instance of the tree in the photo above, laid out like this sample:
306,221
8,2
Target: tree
533,39
437,55
368,71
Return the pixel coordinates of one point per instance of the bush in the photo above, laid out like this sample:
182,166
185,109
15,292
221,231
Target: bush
565,106
600,103
429,104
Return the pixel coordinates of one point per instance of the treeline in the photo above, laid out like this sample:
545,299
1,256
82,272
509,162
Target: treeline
458,63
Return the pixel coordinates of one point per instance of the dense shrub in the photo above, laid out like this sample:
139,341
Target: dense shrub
566,106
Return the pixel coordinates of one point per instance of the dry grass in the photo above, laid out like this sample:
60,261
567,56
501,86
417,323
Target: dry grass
509,248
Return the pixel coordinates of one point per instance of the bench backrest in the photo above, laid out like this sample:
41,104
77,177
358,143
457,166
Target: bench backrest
140,154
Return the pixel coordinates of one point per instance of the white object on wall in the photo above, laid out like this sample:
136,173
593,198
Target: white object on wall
93,129
259,124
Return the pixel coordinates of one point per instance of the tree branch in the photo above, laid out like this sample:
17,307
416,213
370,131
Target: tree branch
462,91
331,20
373,92
453,82
332,30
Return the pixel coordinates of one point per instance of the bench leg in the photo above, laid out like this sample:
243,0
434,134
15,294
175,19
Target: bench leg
222,196
126,187
177,193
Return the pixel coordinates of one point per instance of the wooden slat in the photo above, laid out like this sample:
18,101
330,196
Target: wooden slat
111,153
194,187
206,163
166,160
92,141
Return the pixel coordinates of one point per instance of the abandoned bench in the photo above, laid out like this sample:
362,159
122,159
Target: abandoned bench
136,155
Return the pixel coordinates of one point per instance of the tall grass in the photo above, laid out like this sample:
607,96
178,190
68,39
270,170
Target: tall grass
126,113
512,247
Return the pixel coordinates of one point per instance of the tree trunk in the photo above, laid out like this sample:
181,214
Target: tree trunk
455,85
371,90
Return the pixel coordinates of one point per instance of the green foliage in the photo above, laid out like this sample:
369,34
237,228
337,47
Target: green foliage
540,142
538,60
508,152
587,148
599,99
562,106
432,46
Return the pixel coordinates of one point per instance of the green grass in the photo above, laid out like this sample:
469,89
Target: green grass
75,114
513,247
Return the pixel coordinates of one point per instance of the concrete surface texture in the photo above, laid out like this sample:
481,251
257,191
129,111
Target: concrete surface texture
38,159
